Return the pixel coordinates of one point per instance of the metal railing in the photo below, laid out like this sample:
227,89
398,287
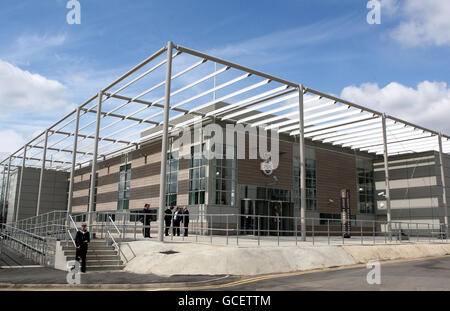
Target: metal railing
260,230
38,249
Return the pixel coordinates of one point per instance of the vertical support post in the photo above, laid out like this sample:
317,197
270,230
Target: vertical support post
3,192
387,183
163,182
444,187
7,190
302,164
19,195
74,160
94,160
41,178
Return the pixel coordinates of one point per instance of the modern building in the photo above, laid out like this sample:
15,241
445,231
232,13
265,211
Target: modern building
390,167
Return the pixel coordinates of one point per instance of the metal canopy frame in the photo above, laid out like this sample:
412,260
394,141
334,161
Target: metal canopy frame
206,87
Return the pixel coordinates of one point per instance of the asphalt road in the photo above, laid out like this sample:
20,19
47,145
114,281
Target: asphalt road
420,275
430,274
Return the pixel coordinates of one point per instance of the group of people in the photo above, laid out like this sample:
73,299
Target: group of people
173,217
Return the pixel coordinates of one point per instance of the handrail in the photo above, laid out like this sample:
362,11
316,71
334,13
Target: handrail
114,224
117,245
71,237
73,222
23,243
26,232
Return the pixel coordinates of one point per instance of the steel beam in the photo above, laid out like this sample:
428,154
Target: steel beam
94,160
74,160
19,195
165,142
41,178
386,172
444,187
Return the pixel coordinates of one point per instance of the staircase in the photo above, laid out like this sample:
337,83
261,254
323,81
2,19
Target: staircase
101,256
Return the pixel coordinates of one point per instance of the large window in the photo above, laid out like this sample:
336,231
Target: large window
124,187
224,171
197,177
366,187
172,178
311,189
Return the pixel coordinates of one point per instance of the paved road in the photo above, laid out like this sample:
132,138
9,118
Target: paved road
432,274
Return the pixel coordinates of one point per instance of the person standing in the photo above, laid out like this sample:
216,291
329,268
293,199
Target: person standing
176,221
82,240
185,220
145,219
168,219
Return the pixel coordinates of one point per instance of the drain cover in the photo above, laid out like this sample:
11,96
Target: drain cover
168,252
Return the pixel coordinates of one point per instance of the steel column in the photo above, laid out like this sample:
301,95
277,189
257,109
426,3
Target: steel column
162,186
19,195
444,186
7,190
302,164
74,160
94,160
41,178
386,172
3,192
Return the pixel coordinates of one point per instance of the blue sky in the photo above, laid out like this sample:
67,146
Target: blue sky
400,66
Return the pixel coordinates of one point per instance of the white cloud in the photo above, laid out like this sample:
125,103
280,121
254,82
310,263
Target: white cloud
428,104
11,141
23,93
424,22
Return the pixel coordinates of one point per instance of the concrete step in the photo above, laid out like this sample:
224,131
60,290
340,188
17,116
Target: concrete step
91,252
95,257
105,268
91,263
90,247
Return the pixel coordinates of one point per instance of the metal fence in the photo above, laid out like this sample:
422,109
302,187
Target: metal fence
238,229
118,227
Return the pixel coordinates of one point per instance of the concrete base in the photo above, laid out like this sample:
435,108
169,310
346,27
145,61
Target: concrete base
201,259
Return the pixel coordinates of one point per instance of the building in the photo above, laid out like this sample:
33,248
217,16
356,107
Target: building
327,144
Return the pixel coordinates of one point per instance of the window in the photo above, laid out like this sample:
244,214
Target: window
197,177
224,171
172,178
124,187
366,187
311,189
95,191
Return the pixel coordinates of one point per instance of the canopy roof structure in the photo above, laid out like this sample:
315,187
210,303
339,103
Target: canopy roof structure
191,83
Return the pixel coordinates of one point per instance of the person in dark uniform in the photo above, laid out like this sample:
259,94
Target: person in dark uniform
82,240
185,220
168,219
176,221
145,219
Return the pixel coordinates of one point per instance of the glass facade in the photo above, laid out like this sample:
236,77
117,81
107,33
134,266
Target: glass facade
197,177
172,178
366,186
123,199
311,189
224,183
